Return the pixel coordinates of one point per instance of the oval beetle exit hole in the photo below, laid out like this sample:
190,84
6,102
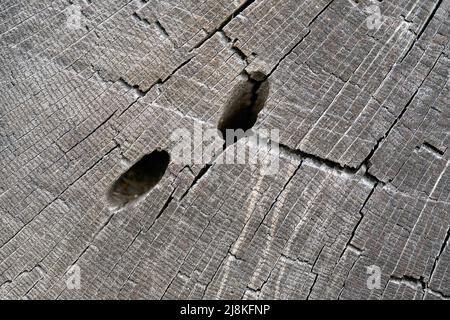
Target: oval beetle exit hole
139,178
244,106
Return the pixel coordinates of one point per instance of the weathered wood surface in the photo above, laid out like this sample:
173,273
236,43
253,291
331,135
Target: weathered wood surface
363,179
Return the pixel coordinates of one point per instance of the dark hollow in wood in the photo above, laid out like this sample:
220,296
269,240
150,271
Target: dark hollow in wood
247,101
140,178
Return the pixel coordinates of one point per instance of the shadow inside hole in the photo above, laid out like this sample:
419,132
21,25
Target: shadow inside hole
242,110
140,178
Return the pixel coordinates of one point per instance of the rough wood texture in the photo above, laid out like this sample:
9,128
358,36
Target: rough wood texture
363,179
